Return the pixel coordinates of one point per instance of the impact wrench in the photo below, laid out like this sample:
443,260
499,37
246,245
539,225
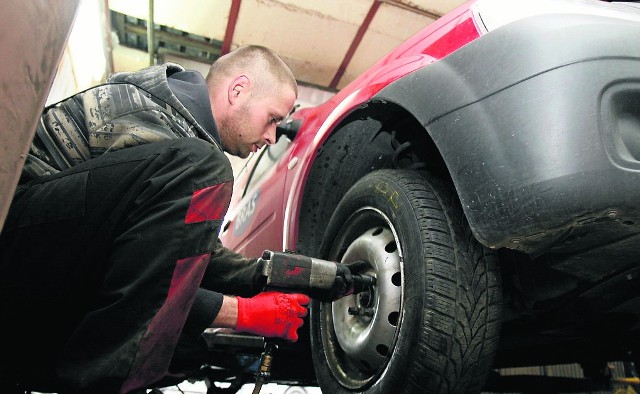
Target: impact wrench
320,279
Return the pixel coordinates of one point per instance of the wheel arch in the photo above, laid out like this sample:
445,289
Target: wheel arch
361,143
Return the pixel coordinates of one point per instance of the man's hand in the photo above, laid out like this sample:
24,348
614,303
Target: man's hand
272,314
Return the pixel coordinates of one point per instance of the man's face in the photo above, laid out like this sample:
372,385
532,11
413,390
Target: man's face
252,123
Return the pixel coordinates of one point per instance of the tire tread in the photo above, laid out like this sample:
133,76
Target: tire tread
446,231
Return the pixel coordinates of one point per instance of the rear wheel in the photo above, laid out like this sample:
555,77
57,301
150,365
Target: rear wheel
431,323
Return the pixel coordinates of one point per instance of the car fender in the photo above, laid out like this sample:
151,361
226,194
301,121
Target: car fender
344,103
518,181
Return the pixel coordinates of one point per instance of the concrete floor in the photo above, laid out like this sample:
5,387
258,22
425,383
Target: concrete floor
617,370
201,388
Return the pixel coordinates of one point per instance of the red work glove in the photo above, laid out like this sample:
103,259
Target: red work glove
272,314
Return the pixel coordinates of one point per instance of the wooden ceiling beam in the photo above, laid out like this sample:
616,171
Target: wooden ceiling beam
231,26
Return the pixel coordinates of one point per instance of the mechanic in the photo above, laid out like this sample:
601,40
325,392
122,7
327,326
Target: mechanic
109,254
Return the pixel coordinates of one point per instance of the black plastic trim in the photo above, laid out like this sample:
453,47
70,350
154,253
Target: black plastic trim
516,115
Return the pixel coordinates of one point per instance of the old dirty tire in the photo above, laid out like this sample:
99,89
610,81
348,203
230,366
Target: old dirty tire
431,323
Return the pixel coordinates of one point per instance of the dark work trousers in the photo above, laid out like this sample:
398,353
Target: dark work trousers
100,263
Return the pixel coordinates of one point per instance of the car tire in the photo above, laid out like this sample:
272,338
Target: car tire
431,323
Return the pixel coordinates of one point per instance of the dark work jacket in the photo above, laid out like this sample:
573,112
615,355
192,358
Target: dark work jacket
134,108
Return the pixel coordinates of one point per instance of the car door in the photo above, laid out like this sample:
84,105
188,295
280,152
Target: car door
254,224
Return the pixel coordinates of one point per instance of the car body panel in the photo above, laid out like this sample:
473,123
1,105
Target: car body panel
33,40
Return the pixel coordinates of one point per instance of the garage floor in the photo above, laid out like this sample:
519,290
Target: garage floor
570,370
201,388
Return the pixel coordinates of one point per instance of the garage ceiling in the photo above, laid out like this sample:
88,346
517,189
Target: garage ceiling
327,43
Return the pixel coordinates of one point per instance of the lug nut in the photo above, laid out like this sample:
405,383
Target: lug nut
353,310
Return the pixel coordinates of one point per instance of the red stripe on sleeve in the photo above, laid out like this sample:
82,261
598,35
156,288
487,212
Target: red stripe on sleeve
210,203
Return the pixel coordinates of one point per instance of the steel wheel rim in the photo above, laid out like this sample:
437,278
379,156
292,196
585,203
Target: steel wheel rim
359,343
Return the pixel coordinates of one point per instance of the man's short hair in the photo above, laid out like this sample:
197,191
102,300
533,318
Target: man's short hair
264,66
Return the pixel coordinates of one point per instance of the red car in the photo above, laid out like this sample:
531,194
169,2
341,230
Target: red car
488,170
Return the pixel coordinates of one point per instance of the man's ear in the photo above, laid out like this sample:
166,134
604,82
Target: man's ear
239,86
